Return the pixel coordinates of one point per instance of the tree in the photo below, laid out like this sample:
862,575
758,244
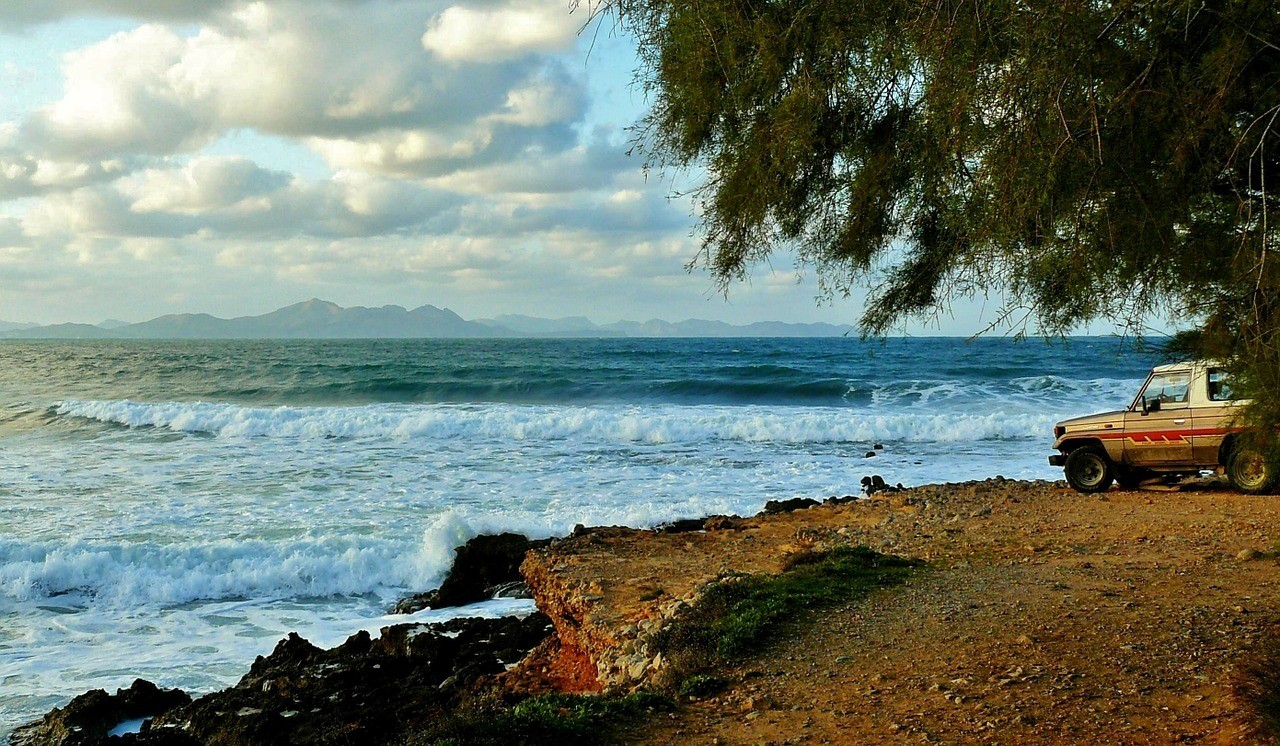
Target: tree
1085,158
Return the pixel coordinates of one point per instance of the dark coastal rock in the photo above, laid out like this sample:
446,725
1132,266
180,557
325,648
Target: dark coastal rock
484,567
840,499
415,603
722,523
683,526
514,589
87,719
875,483
787,506
367,690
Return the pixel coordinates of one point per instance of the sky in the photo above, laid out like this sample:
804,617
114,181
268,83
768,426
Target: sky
233,157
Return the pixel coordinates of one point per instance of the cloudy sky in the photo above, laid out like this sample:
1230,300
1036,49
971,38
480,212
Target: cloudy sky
161,156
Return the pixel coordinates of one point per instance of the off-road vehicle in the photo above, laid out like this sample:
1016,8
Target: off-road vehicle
1183,421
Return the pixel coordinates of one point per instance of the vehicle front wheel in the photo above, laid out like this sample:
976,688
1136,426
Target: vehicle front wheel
1089,470
1251,472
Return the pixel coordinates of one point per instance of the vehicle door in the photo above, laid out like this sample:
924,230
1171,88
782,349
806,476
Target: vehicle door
1158,426
1214,412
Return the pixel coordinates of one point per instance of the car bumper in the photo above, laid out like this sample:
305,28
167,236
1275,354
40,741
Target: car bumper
1058,459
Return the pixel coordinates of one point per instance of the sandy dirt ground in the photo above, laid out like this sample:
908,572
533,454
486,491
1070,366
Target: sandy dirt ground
1044,616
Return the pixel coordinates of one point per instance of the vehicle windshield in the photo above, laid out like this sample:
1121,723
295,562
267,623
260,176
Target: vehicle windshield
1170,389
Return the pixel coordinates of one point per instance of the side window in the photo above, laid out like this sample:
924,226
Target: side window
1170,389
1220,386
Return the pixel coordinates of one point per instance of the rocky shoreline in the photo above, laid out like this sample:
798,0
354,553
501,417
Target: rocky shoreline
366,690
408,675
1129,589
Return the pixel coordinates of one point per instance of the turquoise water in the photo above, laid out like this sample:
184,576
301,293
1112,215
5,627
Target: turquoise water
170,509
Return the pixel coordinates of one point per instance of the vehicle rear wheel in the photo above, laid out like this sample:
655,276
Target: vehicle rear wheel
1089,470
1130,478
1251,472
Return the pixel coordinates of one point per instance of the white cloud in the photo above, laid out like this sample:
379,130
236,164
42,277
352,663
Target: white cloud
548,99
118,98
352,81
19,13
24,176
23,12
10,233
233,198
537,114
204,185
403,152
493,34
549,175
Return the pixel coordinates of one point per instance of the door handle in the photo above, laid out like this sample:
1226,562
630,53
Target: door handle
1179,422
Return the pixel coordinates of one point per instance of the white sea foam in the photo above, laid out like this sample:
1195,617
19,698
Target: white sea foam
617,424
132,574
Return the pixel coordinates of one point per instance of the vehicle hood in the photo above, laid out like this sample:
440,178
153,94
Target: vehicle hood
1084,423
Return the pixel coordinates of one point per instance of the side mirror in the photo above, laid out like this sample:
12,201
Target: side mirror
1150,405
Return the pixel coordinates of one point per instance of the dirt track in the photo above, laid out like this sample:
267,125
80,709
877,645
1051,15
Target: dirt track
1047,617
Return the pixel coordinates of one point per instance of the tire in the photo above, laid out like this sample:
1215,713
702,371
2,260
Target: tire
1251,472
1130,478
1088,470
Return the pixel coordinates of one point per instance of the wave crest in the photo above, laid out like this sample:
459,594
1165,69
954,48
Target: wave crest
132,574
669,424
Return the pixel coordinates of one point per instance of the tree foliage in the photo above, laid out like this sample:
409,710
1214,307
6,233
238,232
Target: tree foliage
1087,159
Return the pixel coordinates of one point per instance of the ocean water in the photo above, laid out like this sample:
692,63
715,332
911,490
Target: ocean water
169,510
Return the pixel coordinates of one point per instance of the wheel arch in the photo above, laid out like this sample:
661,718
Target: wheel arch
1227,448
1068,446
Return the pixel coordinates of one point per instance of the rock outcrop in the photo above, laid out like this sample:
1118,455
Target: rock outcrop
88,719
487,566
367,690
609,592
773,507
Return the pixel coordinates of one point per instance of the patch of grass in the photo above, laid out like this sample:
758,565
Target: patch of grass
652,594
701,685
741,614
550,718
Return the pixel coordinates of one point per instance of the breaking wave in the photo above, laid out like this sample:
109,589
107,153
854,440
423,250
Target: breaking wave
139,574
668,424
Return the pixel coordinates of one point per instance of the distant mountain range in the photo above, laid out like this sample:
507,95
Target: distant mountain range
318,319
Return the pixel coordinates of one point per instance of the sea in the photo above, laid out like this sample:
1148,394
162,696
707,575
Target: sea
170,510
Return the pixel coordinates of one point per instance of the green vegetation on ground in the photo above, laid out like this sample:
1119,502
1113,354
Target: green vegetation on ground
739,615
545,719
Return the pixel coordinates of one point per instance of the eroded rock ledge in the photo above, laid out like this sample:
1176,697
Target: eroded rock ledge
609,591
